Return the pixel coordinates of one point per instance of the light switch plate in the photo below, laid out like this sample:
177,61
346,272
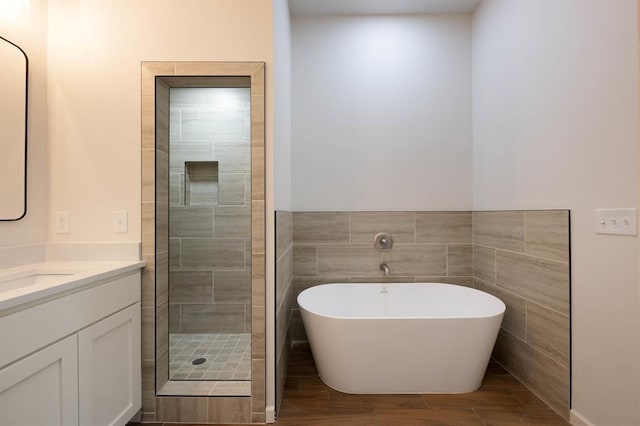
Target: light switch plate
617,221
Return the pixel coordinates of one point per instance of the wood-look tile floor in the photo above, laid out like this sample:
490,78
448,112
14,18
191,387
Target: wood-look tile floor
501,400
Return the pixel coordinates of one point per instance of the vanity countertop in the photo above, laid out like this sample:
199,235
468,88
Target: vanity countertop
39,281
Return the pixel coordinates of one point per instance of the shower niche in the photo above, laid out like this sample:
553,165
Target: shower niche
200,183
208,250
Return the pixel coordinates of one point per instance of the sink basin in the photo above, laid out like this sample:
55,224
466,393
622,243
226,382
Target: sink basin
38,281
35,278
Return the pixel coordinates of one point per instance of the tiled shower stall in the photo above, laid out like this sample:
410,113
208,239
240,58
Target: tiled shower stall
522,257
209,233
203,290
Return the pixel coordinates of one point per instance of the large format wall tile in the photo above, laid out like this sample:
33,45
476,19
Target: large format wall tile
283,276
197,125
305,260
459,259
231,189
522,258
232,222
185,222
548,331
284,296
232,287
484,263
212,318
426,259
229,410
191,287
208,254
543,281
284,228
545,376
176,189
365,226
499,229
188,152
174,254
318,228
443,227
181,409
548,234
348,260
232,157
515,317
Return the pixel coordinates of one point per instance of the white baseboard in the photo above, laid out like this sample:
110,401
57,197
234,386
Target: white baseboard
578,419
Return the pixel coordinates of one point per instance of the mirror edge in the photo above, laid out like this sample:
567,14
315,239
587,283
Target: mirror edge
26,127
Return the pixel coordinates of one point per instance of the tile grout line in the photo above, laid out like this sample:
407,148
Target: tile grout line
446,260
526,321
506,290
523,254
541,352
414,228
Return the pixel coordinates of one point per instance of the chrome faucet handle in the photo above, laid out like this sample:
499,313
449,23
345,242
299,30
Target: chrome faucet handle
383,241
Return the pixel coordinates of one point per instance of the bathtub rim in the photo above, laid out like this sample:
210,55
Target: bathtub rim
394,318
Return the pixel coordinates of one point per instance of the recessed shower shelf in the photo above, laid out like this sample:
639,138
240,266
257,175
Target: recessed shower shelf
201,183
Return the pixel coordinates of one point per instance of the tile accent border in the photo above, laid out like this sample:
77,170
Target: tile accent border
155,246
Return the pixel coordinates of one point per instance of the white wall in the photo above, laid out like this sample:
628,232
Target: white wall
95,50
28,29
282,105
555,126
381,112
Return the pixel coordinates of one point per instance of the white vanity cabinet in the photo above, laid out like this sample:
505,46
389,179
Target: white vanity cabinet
42,389
109,369
73,359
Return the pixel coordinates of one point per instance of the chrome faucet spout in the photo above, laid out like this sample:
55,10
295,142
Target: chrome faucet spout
385,269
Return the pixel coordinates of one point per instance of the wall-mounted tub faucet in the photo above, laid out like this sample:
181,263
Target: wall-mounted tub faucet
383,241
385,269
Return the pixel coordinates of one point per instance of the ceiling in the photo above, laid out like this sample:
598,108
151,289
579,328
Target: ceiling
380,7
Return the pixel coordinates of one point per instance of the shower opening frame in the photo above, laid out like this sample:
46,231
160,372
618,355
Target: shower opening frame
195,401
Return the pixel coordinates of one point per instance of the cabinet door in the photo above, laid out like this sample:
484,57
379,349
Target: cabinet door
109,369
42,389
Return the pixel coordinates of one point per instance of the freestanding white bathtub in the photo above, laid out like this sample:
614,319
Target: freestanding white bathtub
416,338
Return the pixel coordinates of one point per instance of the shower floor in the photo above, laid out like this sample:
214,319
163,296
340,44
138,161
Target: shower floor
227,356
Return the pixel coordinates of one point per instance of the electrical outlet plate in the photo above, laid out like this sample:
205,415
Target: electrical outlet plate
617,221
62,222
